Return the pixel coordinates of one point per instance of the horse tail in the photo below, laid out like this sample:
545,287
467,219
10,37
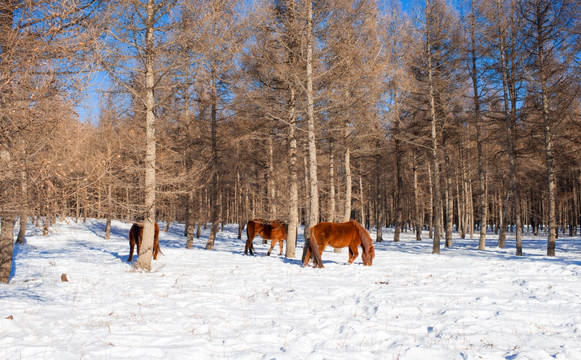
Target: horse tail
314,247
250,236
156,247
366,244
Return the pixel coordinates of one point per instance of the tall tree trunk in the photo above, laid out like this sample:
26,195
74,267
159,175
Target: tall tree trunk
449,197
417,212
190,221
215,204
361,200
399,180
270,188
6,218
431,189
109,211
348,178
306,197
312,146
378,197
291,241
24,211
482,196
6,247
548,133
146,250
434,138
332,194
270,183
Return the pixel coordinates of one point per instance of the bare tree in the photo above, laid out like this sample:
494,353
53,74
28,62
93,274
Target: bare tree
551,47
134,57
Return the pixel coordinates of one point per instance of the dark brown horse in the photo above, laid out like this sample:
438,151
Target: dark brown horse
339,235
136,236
268,230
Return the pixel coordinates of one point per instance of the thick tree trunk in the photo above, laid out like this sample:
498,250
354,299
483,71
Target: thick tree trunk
312,146
6,247
548,136
23,213
146,250
291,241
22,231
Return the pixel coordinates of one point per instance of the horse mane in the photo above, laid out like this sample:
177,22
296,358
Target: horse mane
366,243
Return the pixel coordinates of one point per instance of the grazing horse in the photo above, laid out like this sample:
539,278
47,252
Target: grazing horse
268,230
339,235
135,237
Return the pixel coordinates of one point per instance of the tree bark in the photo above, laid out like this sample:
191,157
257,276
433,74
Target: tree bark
6,247
434,139
378,197
348,177
332,194
482,196
214,203
312,145
399,180
146,250
417,212
291,241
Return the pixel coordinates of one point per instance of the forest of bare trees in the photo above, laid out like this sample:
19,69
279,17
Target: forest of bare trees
463,117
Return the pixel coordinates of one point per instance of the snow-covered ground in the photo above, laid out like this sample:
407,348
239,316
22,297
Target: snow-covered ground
221,304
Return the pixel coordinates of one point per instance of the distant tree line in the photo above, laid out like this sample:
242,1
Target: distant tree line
439,117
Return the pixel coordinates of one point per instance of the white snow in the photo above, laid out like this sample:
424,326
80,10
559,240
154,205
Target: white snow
221,304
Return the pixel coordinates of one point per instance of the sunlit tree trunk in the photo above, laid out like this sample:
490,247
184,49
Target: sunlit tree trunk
332,194
293,225
312,146
146,250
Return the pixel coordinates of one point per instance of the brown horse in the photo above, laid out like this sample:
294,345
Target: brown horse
136,236
268,230
339,235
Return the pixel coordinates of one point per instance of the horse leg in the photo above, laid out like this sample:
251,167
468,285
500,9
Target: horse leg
249,247
307,256
156,241
131,246
155,249
280,243
321,249
353,253
272,243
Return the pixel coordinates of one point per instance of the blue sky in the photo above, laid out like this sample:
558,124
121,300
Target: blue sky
88,108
